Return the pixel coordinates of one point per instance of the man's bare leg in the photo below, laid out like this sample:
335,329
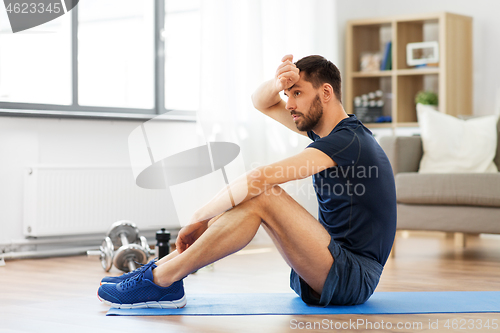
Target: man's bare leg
174,253
168,257
300,238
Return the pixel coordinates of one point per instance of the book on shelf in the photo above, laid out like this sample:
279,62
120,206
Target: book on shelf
387,59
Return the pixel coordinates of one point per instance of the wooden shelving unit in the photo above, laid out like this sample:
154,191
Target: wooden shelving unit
451,79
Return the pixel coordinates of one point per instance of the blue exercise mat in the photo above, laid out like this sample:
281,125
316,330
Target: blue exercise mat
290,304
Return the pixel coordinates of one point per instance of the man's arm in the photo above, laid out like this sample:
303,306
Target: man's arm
267,100
249,185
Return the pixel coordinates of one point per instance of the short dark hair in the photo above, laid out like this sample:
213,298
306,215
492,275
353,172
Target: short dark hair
318,71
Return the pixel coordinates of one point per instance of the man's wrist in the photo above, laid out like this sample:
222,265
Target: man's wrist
272,86
195,217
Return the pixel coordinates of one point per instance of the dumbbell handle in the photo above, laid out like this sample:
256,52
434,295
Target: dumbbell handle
131,263
124,239
94,253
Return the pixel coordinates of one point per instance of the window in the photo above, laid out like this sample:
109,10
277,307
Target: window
105,56
182,38
116,53
35,65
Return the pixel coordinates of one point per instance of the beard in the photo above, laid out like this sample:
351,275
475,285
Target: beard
309,121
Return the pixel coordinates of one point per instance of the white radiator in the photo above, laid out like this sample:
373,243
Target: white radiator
73,200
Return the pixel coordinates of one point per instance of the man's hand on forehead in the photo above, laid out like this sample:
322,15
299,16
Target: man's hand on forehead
287,73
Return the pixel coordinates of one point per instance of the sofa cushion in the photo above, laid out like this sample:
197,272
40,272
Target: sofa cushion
449,189
453,145
404,152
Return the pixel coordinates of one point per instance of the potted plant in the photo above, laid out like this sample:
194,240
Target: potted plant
427,98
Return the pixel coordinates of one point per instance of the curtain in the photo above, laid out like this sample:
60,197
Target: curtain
242,44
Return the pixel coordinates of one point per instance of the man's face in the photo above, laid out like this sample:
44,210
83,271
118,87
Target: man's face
304,105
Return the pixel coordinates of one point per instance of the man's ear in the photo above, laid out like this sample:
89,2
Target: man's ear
327,92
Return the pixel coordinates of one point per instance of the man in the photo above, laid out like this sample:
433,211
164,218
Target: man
336,260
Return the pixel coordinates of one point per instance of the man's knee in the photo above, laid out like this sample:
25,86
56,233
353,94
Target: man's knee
275,190
270,195
260,203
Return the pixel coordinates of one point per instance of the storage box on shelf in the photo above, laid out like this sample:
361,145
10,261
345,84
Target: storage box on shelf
451,79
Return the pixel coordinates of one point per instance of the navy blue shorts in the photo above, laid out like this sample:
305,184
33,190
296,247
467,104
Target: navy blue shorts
352,279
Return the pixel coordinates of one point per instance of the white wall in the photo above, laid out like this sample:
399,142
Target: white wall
486,35
26,142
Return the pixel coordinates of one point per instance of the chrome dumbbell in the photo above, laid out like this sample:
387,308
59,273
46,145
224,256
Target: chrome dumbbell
130,248
106,253
123,247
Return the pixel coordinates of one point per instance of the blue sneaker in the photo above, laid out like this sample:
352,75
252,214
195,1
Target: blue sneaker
140,291
123,277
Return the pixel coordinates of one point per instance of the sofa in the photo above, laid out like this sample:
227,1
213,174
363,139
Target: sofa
467,203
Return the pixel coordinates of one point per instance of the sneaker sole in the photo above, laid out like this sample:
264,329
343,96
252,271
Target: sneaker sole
176,304
108,283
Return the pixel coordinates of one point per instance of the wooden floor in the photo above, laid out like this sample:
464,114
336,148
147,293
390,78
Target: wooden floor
59,294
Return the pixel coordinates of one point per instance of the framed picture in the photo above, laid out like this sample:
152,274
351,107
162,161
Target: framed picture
370,61
422,53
